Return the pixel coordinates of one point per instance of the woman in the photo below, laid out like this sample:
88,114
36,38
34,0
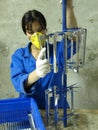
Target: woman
30,73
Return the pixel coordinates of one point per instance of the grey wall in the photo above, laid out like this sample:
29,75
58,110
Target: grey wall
12,37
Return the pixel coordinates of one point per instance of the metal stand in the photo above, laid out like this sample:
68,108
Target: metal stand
74,44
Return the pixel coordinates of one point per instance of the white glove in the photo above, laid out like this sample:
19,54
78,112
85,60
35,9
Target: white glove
42,65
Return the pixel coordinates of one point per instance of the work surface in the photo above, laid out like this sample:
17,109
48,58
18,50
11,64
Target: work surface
82,120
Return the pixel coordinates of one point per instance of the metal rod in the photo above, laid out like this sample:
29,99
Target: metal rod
63,15
84,44
65,52
72,50
48,95
31,120
47,46
54,54
72,100
77,52
55,104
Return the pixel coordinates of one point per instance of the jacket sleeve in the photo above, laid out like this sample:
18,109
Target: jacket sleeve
17,73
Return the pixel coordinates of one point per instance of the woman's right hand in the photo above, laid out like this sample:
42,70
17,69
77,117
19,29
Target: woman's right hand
42,65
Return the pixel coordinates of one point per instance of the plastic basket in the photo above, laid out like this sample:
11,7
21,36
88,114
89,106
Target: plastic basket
20,114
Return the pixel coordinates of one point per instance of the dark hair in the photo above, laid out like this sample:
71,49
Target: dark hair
31,16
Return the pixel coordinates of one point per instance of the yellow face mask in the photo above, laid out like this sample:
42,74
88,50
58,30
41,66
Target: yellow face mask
38,39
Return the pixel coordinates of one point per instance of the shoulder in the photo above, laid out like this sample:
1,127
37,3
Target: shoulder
22,52
19,52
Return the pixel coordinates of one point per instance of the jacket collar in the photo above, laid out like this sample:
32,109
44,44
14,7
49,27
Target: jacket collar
27,52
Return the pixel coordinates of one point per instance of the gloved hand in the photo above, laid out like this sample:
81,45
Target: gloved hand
42,65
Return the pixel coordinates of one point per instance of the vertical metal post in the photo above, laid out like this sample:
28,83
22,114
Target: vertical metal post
64,84
84,44
47,46
72,49
64,73
64,15
55,54
77,51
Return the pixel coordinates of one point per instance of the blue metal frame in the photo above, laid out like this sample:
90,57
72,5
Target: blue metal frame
62,88
64,25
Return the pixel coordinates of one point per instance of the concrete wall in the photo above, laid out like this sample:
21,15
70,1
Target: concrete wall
12,37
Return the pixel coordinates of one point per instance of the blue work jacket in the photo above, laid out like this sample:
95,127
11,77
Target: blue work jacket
23,63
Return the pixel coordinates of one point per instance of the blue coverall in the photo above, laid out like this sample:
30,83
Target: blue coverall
23,63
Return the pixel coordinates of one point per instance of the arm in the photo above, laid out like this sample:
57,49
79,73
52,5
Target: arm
32,78
22,80
70,16
42,68
17,73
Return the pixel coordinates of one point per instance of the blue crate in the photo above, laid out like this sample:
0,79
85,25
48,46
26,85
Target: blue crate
15,111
